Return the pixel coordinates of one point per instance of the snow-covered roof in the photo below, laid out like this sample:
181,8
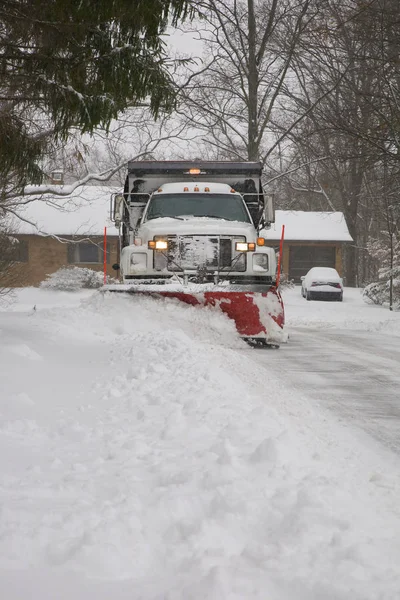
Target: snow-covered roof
309,226
84,212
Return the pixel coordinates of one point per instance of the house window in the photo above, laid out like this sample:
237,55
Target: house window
19,251
87,253
57,177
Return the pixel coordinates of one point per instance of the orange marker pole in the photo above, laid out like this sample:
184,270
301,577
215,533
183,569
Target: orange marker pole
278,274
105,254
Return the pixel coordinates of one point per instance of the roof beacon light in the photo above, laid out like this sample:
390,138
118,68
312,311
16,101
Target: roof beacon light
233,191
194,171
159,190
196,189
206,189
185,189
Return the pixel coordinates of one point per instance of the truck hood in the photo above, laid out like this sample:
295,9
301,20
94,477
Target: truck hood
195,226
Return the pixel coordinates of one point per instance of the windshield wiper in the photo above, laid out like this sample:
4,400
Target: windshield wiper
219,217
164,217
210,217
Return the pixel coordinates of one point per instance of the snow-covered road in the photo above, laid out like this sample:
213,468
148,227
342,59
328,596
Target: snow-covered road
347,358
147,453
354,374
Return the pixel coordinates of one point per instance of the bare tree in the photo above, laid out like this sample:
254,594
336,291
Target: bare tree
235,94
134,133
344,125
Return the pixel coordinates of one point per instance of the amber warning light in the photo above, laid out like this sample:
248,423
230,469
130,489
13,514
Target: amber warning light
195,171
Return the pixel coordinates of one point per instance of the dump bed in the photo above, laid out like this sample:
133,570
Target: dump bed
144,177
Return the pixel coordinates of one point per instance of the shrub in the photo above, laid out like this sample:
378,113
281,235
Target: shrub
285,283
388,257
8,276
378,292
70,279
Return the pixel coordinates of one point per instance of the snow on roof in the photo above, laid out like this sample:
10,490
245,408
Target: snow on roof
309,226
84,212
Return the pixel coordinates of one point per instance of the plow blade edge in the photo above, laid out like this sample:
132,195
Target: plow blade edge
258,316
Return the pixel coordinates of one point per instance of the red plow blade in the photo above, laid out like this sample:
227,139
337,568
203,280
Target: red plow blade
258,316
251,311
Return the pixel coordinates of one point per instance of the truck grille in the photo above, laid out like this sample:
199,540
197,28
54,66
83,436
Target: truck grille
191,252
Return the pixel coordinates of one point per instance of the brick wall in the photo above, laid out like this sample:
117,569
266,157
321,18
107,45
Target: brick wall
46,255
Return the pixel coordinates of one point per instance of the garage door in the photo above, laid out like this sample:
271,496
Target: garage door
303,258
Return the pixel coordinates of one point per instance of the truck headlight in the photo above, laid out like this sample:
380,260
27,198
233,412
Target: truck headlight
260,261
244,247
158,245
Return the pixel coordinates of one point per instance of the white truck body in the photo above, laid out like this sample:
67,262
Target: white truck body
191,224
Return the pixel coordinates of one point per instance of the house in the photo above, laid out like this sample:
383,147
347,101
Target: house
311,239
56,231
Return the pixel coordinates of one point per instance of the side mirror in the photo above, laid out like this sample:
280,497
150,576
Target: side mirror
269,212
118,209
115,267
302,278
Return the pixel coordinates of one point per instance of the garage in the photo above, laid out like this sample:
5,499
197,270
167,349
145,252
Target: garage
303,258
312,239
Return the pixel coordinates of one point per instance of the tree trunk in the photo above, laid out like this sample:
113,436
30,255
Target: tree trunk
252,144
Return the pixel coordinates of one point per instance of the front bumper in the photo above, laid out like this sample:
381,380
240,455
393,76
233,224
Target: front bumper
324,295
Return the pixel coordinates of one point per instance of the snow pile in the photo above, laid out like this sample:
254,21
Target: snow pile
145,455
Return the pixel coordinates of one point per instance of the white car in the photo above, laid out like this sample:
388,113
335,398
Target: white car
322,283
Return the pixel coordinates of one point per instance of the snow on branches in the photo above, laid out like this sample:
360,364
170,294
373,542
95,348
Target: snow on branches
385,291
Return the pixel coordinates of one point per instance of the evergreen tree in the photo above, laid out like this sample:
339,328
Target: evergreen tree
76,63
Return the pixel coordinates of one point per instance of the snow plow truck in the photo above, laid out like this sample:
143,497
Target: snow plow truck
190,230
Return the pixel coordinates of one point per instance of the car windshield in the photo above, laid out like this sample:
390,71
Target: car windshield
217,206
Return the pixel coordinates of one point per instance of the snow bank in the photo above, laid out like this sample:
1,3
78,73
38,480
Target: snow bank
353,313
145,455
34,298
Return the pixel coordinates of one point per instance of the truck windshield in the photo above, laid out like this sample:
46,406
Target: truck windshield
230,207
